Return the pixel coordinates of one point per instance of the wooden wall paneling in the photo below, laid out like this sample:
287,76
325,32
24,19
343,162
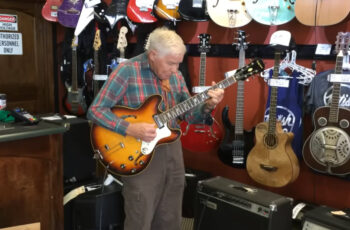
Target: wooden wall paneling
28,79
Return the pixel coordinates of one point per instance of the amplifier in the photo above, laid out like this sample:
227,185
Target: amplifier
321,218
226,204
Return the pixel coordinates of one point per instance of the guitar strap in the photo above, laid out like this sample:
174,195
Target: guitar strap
289,110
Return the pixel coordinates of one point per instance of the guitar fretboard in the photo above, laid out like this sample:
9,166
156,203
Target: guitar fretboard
74,70
202,69
273,96
334,111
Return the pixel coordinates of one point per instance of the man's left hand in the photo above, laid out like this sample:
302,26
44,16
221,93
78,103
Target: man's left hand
216,97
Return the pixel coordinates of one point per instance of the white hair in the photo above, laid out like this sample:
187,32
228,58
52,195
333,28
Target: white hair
164,41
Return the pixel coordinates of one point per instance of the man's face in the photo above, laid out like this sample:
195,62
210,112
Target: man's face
165,65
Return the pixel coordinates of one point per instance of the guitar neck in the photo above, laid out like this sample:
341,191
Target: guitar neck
334,106
273,96
202,68
96,71
240,97
190,103
74,70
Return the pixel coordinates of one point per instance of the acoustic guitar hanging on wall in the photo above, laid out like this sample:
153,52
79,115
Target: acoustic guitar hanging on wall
272,161
327,149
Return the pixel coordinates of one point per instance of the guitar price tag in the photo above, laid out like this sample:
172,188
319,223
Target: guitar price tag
279,82
100,77
91,3
199,89
197,3
323,49
342,78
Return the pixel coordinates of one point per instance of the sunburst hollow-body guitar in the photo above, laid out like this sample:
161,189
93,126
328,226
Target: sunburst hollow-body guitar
126,155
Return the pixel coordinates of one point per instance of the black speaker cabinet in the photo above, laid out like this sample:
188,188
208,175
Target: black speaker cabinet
320,218
78,162
188,203
100,209
226,204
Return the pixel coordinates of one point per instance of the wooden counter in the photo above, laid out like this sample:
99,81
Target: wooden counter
31,188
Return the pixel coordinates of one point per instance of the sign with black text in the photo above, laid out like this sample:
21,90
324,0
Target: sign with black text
8,22
11,43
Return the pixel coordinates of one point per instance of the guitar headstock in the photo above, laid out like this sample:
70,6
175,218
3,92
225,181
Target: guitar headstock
255,67
343,42
74,42
204,45
241,38
97,40
122,42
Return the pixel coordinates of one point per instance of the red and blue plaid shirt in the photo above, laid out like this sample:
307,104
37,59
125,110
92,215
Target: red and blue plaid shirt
129,85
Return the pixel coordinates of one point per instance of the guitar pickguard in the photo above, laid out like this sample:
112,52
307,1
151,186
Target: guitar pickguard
330,146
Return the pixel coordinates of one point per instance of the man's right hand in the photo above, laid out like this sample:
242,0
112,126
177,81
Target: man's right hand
144,131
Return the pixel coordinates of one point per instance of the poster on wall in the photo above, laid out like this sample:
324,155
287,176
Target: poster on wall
8,22
11,43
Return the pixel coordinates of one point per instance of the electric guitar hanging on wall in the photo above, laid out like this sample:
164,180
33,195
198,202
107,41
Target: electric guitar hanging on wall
121,45
193,10
140,11
236,143
201,137
228,13
167,9
126,155
75,101
97,45
271,12
327,149
272,161
49,10
69,12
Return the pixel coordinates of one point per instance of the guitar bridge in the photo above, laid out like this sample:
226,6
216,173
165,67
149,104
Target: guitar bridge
268,168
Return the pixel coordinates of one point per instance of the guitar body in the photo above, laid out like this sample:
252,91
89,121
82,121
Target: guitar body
49,10
167,11
123,155
69,12
321,12
140,13
274,166
228,13
335,135
270,12
200,137
234,148
74,101
191,12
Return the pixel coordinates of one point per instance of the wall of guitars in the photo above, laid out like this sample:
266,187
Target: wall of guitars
293,140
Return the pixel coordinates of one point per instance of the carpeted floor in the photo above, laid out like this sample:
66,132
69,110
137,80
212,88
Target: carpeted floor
187,223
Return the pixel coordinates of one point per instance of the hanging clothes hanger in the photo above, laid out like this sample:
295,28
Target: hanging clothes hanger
306,74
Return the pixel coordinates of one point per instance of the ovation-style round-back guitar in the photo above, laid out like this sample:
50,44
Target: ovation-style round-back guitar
201,137
126,155
271,12
327,149
236,143
272,161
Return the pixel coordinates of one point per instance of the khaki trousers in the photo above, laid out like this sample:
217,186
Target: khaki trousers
153,198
